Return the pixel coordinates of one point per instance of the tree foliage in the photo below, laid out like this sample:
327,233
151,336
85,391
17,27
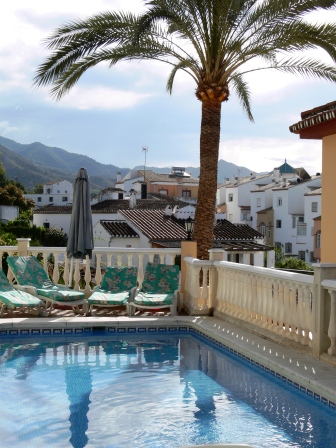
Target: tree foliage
216,42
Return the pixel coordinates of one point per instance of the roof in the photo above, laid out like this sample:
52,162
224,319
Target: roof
315,192
225,230
114,205
315,117
155,225
118,229
286,168
166,178
243,180
264,211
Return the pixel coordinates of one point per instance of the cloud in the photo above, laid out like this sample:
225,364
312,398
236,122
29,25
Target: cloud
263,154
6,128
102,98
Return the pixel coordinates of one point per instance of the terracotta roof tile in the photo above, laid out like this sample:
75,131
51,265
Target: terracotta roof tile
119,229
314,117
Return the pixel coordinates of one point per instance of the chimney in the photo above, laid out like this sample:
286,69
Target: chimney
118,177
132,202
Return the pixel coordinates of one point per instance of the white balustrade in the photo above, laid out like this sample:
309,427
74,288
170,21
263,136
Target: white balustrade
276,300
77,273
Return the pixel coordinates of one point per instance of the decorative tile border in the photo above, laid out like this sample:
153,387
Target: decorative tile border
11,332
288,381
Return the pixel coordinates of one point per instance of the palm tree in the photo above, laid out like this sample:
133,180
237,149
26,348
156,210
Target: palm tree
216,42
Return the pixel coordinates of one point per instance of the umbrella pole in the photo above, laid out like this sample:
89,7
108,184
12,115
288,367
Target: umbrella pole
71,271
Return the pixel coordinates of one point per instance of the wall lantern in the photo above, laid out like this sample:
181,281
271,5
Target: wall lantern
189,226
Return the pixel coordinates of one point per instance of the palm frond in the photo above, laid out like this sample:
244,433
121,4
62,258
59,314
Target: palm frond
243,93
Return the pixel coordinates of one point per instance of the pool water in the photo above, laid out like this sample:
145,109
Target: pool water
159,391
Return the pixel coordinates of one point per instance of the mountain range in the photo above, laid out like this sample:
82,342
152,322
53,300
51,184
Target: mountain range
36,163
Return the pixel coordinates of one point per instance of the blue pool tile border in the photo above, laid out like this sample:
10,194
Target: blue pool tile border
159,329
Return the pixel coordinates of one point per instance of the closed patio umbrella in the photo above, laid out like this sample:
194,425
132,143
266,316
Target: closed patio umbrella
80,238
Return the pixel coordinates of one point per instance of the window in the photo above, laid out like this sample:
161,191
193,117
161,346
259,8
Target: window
279,202
65,191
244,215
311,257
120,195
186,194
269,232
263,228
293,222
51,199
230,197
288,248
302,255
301,230
258,202
65,199
301,219
314,207
58,191
39,199
164,192
318,239
46,225
277,244
278,224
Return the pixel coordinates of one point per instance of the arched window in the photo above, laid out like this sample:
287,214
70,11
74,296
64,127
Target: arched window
318,239
263,228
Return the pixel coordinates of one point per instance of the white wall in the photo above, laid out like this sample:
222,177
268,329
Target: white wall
8,212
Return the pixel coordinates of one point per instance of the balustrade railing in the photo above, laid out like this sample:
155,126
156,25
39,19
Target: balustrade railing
84,274
280,302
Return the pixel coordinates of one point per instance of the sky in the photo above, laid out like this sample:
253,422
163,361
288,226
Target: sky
112,114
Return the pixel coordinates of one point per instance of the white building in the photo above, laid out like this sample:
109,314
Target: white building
8,213
312,210
54,193
291,230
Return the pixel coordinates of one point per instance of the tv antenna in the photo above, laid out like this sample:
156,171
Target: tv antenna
145,150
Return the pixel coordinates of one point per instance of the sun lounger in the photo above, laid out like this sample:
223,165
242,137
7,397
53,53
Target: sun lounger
32,278
118,284
159,289
11,298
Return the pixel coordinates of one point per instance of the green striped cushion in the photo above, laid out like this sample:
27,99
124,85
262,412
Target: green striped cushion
60,294
148,299
101,297
17,298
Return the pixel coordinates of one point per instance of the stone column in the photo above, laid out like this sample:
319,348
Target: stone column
320,321
23,246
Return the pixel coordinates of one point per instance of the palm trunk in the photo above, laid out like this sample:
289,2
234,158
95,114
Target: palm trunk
206,202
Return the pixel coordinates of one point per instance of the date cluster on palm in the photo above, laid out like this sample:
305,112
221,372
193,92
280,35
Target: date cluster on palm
212,92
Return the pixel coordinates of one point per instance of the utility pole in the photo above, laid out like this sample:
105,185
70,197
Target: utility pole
145,150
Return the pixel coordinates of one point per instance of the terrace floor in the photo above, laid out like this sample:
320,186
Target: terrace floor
316,378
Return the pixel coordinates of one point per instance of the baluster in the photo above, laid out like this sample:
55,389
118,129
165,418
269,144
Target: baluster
311,323
87,275
280,314
287,306
332,323
98,275
76,275
244,296
305,315
196,288
151,257
263,302
249,298
293,311
66,271
252,317
45,262
119,259
299,313
129,259
274,313
205,290
109,260
220,290
140,269
259,301
55,275
268,304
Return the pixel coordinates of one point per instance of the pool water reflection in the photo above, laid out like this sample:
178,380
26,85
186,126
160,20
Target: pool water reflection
107,391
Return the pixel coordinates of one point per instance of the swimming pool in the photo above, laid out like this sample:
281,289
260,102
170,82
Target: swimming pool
148,391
